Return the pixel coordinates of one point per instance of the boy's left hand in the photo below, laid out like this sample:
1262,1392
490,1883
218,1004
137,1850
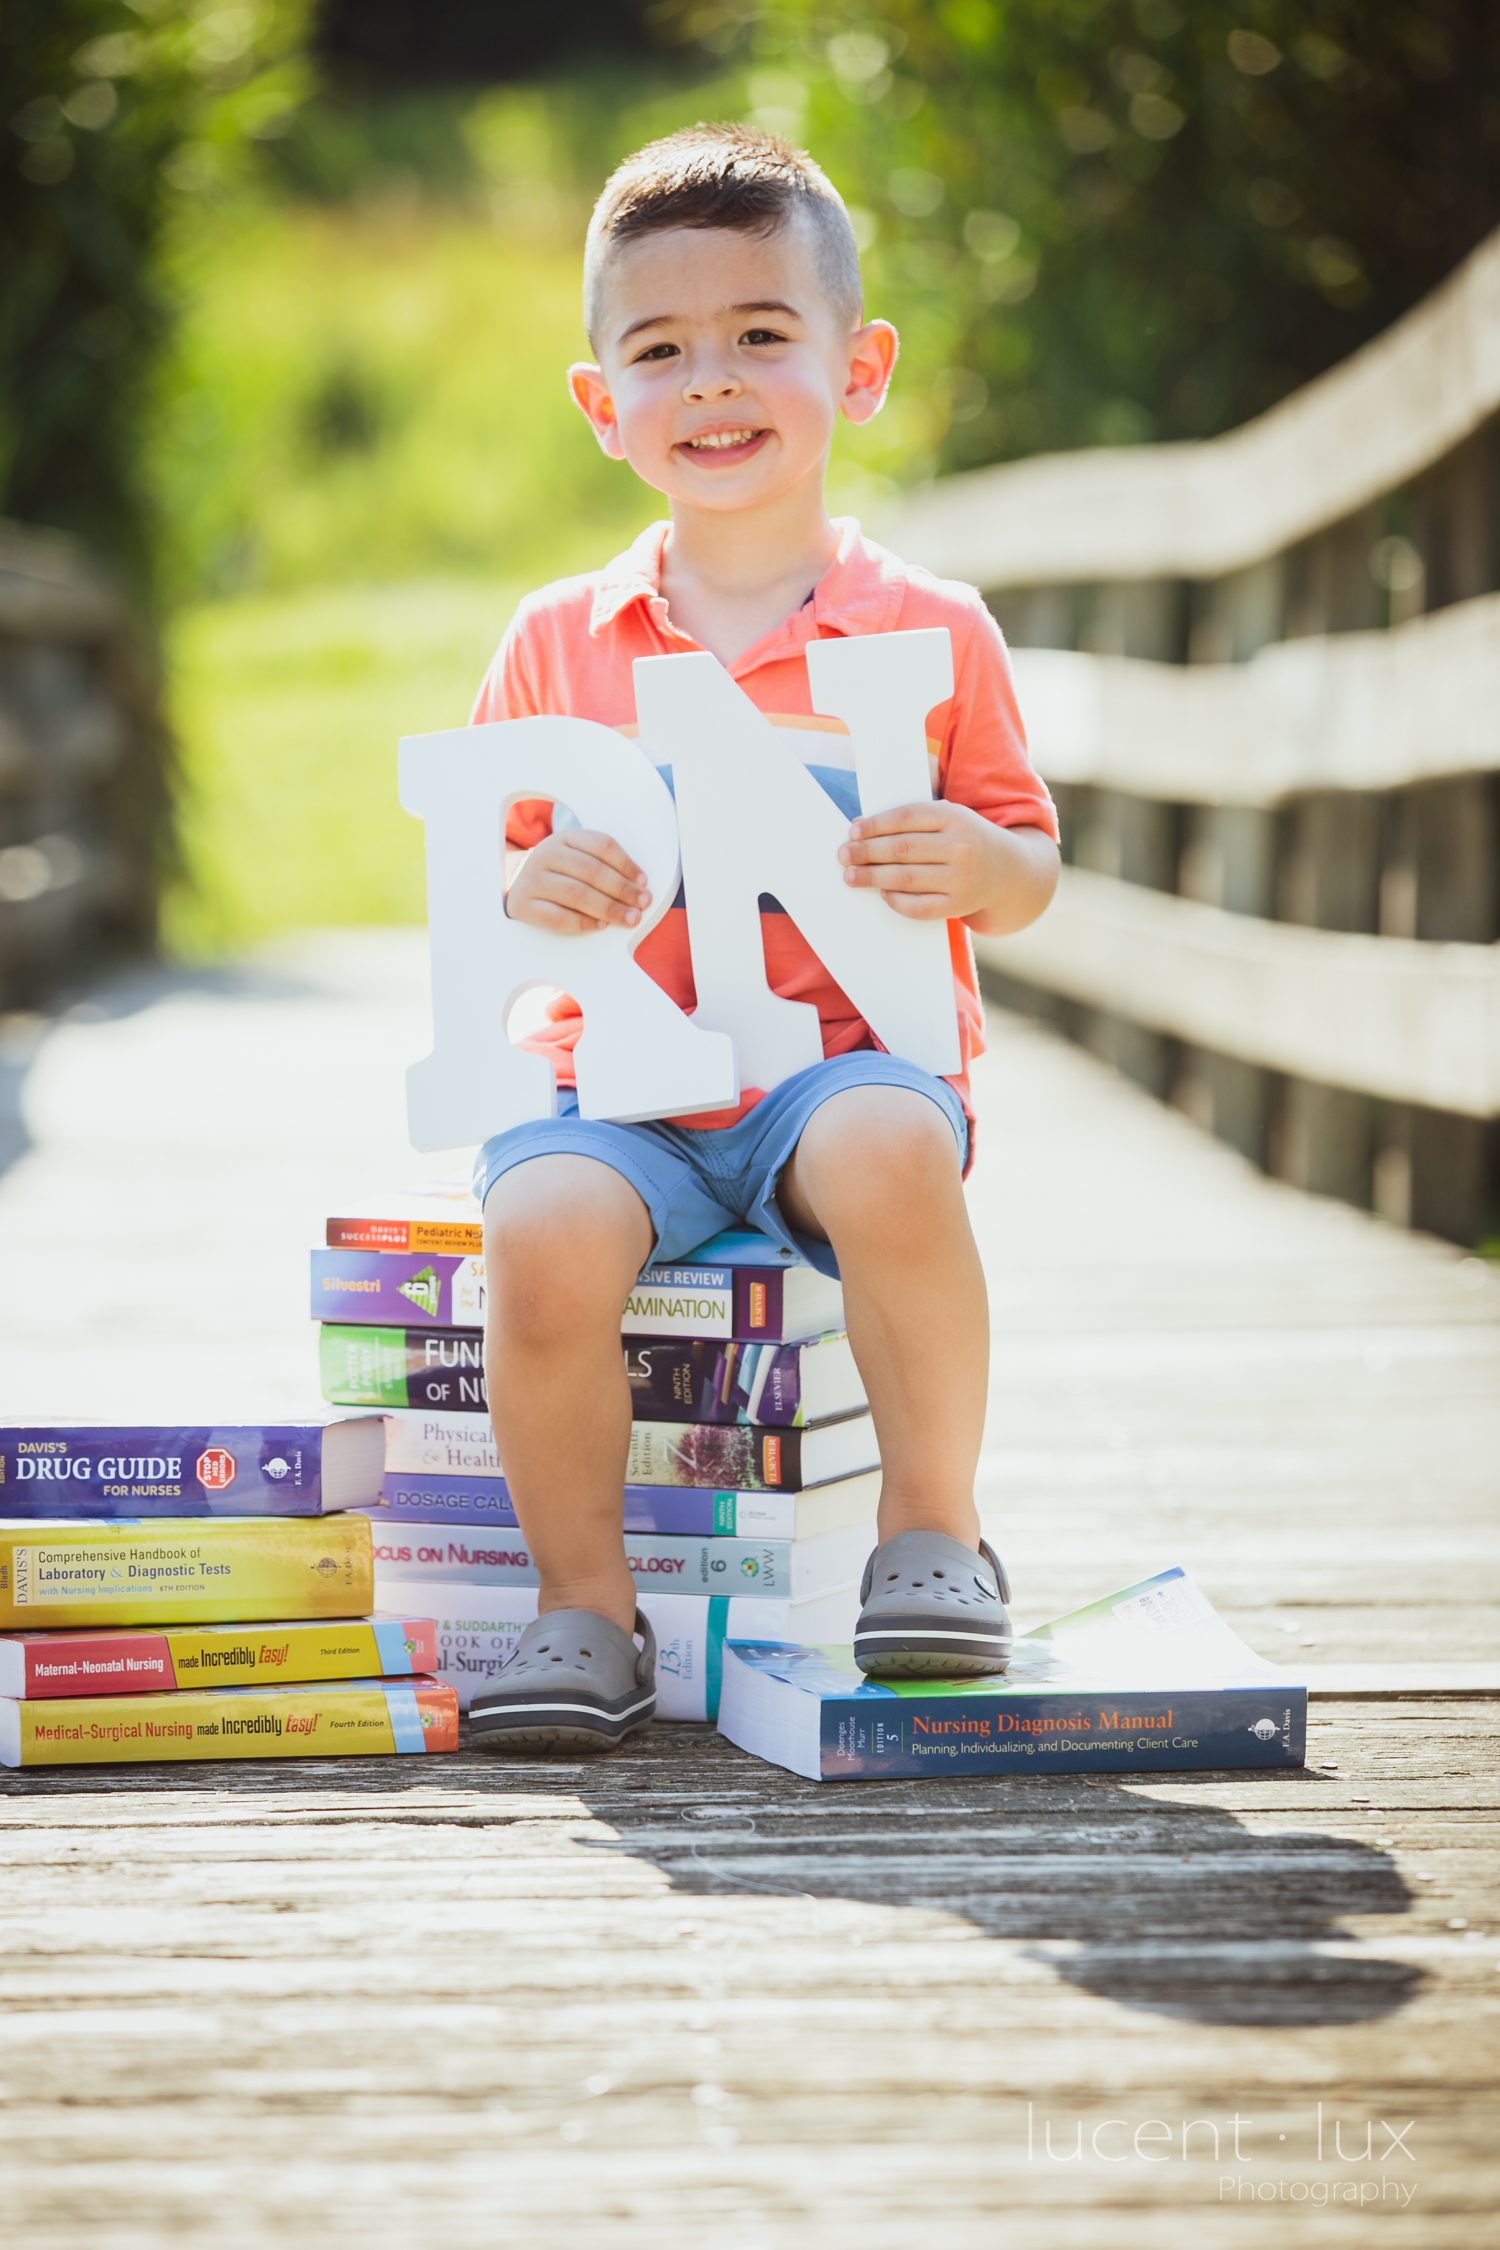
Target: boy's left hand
934,862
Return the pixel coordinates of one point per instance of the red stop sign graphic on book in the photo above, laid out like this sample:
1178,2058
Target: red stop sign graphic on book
215,1469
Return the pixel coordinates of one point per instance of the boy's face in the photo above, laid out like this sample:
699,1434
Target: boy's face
724,365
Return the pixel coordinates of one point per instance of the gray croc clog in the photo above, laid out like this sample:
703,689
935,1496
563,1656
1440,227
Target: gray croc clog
933,1609
574,1682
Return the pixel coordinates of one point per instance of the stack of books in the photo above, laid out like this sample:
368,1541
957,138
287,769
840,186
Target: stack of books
753,1474
171,1593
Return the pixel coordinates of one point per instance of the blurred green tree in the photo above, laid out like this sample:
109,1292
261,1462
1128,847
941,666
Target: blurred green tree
1109,220
113,113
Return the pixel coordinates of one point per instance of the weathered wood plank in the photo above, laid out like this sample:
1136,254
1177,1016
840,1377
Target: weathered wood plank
1346,711
1395,1017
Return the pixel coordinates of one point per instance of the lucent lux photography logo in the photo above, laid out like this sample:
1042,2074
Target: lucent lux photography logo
1359,2160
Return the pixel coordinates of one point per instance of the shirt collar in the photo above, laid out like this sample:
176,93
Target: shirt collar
860,592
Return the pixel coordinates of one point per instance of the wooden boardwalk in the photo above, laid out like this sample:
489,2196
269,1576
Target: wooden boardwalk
679,1996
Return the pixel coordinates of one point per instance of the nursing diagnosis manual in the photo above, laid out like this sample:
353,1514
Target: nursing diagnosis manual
1149,1680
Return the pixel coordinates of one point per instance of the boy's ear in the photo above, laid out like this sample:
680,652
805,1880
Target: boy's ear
873,351
591,396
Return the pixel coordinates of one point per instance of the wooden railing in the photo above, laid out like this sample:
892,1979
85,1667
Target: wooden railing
1262,675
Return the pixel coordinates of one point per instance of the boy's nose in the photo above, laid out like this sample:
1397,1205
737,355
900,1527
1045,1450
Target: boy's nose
711,382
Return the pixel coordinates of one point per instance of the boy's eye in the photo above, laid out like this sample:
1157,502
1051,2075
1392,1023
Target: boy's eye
763,336
656,351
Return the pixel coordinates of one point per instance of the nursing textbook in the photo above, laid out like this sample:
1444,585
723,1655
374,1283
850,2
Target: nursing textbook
784,1569
326,1719
1150,1680
129,1660
668,1510
477,1628
672,1379
692,1454
739,1285
197,1570
154,1469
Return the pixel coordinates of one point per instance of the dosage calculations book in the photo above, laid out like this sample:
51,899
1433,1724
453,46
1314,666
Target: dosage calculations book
792,1570
740,1285
680,1379
682,1453
129,1660
478,1627
660,1510
207,1570
1148,1680
232,1469
342,1719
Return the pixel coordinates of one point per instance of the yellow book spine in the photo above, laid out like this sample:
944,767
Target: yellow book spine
211,1657
187,1570
328,1720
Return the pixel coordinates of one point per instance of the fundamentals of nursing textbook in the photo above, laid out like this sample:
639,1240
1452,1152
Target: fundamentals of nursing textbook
674,1379
1148,1680
202,1570
341,1719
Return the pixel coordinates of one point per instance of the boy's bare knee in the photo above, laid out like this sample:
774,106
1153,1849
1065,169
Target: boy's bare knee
562,1246
877,1150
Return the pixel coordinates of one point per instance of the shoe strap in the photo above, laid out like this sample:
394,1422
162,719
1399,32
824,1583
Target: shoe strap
998,1567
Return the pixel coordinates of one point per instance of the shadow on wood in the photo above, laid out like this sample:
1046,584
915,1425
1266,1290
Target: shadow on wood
1178,1908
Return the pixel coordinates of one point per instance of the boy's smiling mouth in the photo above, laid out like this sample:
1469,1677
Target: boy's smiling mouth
723,445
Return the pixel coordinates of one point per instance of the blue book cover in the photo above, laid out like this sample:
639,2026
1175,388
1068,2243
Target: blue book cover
103,1470
1149,1680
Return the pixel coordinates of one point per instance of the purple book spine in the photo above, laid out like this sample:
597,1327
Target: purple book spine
667,1511
757,1304
383,1288
120,1470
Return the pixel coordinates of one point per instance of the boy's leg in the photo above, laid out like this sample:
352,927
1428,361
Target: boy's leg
876,1173
564,1239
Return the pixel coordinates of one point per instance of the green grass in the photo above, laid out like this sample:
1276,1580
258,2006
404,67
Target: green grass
367,446
289,709
377,393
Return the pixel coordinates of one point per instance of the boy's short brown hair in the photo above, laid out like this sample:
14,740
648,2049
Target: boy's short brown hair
723,176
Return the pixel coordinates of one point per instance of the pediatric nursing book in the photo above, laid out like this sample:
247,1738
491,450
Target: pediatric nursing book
1149,1680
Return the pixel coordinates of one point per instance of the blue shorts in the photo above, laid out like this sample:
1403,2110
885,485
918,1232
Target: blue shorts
695,1183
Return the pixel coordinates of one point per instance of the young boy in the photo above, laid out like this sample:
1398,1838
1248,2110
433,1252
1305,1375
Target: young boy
723,302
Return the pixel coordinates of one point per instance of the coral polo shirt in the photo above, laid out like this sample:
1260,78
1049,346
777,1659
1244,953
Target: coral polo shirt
570,649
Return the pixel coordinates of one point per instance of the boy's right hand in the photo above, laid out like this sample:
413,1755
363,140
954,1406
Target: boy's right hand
575,882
